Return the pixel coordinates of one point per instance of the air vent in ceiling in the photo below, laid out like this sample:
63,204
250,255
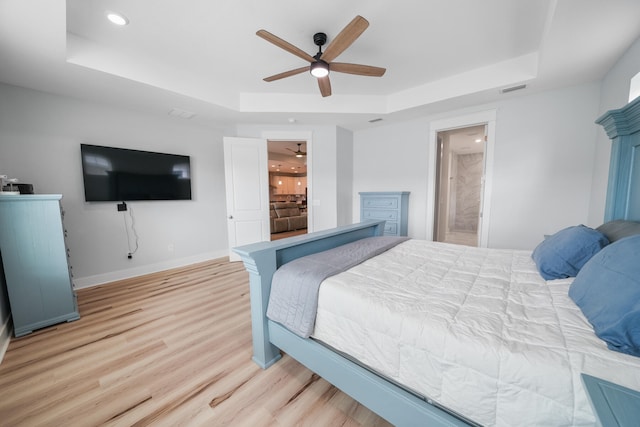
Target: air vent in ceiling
513,88
183,114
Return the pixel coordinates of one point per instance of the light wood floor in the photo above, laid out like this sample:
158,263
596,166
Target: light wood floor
167,349
285,234
461,238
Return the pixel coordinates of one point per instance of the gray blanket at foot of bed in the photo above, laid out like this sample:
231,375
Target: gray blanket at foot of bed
293,301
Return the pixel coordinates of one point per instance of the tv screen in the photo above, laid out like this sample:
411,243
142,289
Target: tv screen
119,174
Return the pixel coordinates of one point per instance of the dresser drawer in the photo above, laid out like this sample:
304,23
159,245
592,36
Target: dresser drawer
381,203
387,215
389,206
391,228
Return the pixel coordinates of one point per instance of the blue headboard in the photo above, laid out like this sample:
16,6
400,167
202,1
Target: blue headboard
623,190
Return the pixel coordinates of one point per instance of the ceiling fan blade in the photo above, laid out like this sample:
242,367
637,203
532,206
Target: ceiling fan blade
325,86
360,70
286,74
284,45
345,38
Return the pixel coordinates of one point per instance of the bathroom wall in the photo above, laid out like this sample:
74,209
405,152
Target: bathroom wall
468,183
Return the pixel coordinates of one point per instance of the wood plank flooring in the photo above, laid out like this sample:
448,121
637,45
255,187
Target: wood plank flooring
166,349
285,234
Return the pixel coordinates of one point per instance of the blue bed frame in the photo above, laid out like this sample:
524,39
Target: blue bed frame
381,396
623,190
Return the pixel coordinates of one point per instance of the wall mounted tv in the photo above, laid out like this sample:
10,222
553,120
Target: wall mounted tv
119,174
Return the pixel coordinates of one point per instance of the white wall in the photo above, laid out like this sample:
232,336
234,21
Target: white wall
344,178
394,158
40,136
544,152
615,94
545,146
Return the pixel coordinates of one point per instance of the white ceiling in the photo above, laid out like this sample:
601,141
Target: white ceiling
203,56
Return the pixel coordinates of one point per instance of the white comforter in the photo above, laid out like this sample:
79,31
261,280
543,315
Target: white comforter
476,330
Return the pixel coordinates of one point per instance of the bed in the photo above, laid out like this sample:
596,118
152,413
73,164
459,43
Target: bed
485,339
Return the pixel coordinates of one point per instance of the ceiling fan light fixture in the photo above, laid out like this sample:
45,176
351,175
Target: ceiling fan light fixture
319,69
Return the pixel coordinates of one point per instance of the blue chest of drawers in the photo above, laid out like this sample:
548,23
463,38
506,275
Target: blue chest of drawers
391,206
35,260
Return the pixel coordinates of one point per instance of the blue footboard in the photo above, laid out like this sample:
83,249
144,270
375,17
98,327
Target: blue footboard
381,396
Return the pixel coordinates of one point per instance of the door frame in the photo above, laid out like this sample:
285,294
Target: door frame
487,118
298,135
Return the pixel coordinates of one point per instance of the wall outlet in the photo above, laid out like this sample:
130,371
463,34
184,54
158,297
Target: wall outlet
170,247
122,207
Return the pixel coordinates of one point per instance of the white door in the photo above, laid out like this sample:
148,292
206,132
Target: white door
247,189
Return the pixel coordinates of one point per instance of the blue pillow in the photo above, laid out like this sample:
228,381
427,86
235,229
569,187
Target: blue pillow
564,253
607,290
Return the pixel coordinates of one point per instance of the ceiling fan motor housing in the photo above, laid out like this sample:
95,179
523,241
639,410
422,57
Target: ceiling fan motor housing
319,39
319,68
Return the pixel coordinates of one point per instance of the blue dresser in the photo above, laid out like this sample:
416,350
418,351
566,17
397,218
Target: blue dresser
35,261
391,206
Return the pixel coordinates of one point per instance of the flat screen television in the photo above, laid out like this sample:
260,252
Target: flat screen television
120,174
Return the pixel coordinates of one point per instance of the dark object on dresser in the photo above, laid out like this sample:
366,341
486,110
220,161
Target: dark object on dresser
21,187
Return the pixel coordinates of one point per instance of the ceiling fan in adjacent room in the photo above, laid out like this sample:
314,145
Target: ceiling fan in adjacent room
321,63
298,153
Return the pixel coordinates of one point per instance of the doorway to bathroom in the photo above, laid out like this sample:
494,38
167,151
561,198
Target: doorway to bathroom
460,170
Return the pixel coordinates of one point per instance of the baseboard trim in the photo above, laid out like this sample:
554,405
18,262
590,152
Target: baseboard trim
100,279
5,337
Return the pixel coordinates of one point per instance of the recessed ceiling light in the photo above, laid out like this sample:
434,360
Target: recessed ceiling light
117,18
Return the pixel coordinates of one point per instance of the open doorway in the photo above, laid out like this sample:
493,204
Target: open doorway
288,187
460,168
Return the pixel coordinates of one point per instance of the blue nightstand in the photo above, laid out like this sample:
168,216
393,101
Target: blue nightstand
613,405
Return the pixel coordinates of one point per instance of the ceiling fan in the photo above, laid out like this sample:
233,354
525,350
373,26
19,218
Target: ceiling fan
321,63
298,153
